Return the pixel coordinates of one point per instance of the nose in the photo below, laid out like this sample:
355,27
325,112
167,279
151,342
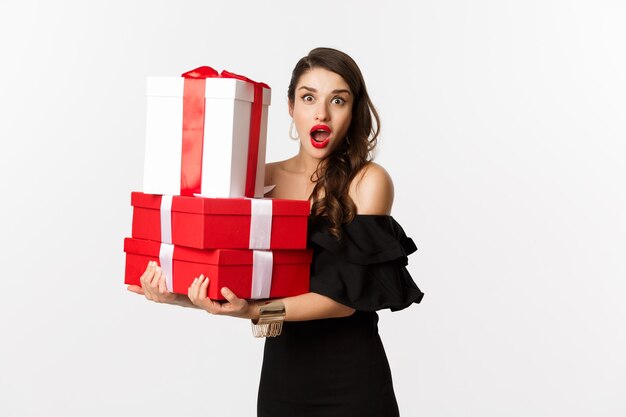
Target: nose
322,113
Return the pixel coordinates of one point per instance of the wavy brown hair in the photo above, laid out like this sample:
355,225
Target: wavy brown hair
335,173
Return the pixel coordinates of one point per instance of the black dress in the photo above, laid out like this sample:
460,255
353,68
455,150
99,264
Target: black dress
338,367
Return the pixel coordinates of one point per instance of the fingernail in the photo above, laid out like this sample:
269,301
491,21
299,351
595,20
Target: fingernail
225,290
158,268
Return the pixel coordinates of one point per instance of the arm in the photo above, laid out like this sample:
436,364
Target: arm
308,306
372,192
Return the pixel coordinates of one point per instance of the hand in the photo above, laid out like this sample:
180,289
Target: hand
153,285
236,307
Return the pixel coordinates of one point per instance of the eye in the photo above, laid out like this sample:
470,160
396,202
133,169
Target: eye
308,98
338,100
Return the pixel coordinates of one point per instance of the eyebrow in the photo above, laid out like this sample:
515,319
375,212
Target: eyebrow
313,90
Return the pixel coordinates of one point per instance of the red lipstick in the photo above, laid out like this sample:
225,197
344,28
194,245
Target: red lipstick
320,136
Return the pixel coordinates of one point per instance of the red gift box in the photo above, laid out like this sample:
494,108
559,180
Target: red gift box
225,223
245,273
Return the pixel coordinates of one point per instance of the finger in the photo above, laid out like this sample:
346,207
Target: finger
135,288
147,275
192,292
233,303
148,286
162,286
154,283
204,286
230,296
199,289
214,307
151,288
204,301
195,286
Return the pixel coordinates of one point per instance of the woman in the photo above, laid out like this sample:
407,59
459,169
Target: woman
329,360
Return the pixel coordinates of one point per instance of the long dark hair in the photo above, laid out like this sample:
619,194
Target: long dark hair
333,177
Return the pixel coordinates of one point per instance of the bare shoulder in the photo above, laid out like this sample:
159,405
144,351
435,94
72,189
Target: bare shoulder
271,170
372,190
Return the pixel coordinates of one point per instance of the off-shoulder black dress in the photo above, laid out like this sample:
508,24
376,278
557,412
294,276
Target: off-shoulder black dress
338,367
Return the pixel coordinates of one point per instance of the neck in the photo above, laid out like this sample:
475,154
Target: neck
304,163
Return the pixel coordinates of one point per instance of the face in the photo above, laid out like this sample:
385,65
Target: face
322,111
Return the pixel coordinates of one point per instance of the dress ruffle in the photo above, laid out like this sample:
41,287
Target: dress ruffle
366,268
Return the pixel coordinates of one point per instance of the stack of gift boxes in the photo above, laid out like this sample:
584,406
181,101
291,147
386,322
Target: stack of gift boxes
202,209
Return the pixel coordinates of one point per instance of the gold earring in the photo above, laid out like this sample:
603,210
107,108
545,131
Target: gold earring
291,135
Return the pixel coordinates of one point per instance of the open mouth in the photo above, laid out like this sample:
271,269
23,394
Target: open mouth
320,136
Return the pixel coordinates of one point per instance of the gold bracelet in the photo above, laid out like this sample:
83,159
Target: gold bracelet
270,322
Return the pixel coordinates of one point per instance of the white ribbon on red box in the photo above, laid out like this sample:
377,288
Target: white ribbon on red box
260,223
260,236
166,219
262,265
166,260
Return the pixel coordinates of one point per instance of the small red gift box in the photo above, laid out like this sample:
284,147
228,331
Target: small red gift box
250,274
225,223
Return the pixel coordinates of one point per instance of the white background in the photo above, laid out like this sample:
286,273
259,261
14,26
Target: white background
504,131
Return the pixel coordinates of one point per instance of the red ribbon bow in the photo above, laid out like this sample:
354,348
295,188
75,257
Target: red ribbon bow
201,73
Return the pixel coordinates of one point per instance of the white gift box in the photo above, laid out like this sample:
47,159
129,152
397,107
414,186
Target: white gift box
224,148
